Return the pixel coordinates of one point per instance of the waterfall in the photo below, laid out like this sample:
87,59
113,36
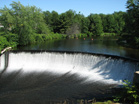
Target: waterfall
85,65
98,72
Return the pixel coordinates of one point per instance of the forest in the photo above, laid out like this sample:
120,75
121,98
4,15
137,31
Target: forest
23,25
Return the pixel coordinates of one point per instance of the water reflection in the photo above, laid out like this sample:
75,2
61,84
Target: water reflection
44,88
103,45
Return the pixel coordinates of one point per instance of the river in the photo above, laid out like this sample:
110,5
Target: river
102,45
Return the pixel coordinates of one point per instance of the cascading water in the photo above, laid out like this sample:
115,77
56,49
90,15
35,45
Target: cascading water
61,75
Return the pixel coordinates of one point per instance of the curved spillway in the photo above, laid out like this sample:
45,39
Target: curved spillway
61,74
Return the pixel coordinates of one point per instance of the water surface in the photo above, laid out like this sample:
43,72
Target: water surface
102,45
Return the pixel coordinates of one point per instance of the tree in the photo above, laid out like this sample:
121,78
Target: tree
111,23
74,29
133,21
47,18
70,22
133,13
104,22
55,21
70,14
95,24
84,25
64,23
6,18
120,22
24,21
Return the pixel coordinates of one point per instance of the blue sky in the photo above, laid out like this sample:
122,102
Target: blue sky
83,6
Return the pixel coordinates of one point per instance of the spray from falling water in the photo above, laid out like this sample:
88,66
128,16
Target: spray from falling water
95,68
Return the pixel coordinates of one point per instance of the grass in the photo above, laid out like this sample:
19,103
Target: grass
108,34
107,102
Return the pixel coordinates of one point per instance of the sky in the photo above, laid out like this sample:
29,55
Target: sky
85,7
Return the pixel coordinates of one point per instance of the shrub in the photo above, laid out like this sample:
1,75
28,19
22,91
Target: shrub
107,102
38,38
129,94
12,37
137,41
3,42
89,34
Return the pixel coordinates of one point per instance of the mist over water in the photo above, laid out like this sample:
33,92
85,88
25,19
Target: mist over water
54,75
85,65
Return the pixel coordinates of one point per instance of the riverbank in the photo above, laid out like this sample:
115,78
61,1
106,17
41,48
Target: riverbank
10,39
126,40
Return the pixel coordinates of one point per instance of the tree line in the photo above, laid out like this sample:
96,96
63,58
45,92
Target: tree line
132,23
71,22
25,25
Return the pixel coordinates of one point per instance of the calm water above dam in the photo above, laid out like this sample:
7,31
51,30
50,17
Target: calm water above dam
102,45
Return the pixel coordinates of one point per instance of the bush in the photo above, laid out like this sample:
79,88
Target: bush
8,40
32,39
38,38
12,37
137,41
108,102
129,94
89,34
3,42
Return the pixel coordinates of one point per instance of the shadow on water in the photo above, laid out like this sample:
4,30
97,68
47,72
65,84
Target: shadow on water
116,69
43,88
6,63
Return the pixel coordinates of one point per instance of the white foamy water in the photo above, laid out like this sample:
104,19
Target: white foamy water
93,68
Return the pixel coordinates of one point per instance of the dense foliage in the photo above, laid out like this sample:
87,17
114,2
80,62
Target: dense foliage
133,22
24,21
25,25
95,24
129,94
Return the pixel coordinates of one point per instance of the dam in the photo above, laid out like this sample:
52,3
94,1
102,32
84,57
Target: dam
48,75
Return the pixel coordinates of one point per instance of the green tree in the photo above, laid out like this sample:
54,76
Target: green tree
120,22
48,19
84,25
95,24
55,21
64,23
104,22
111,23
24,21
132,21
70,22
70,14
133,13
6,18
